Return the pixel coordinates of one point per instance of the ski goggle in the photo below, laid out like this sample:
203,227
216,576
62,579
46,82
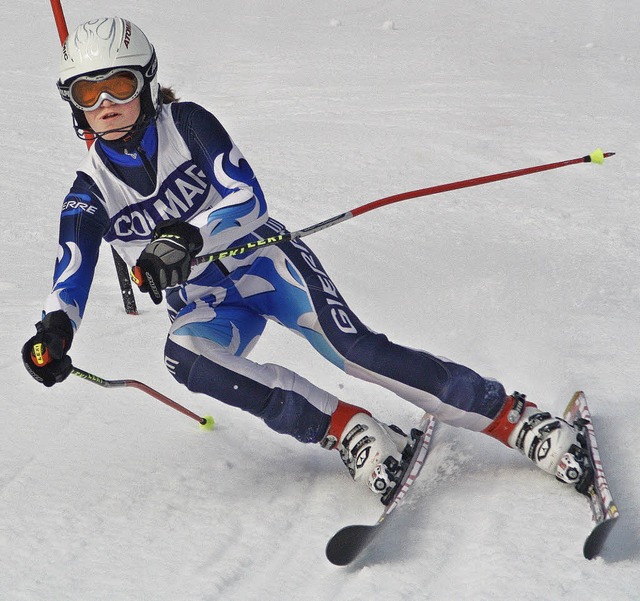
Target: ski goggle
118,85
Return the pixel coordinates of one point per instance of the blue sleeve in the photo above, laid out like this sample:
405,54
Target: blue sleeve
243,207
83,222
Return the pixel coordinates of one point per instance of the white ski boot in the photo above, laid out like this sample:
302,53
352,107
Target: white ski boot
371,450
550,442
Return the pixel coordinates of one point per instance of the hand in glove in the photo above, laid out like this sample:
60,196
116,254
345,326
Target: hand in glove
45,354
166,260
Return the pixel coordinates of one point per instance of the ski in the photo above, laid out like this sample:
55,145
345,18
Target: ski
603,509
349,542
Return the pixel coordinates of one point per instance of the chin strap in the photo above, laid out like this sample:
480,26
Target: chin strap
84,132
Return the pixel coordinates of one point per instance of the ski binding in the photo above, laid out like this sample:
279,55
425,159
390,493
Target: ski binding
349,542
603,509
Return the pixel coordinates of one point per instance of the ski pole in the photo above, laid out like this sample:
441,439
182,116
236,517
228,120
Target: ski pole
596,156
206,422
61,23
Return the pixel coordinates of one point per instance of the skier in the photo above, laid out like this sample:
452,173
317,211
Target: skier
164,182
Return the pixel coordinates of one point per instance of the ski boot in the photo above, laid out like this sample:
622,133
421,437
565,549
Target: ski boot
373,452
554,445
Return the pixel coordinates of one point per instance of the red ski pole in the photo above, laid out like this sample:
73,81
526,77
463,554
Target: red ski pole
205,422
63,34
61,23
595,157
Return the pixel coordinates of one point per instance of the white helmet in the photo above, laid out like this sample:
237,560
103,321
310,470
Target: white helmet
101,45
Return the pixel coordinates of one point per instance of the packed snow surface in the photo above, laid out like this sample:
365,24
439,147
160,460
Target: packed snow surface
110,495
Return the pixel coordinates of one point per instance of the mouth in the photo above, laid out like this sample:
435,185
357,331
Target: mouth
112,120
110,115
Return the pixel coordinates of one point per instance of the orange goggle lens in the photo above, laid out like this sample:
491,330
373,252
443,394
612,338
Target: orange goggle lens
120,87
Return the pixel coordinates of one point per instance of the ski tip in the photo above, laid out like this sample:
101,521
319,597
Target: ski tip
596,540
345,546
338,560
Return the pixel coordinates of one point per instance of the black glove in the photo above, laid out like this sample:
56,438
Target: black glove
45,354
166,260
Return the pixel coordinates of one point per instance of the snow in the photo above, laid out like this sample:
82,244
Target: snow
110,495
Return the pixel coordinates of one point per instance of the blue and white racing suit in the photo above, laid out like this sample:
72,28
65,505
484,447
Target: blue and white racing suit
185,166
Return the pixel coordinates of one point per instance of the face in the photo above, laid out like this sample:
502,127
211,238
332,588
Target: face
110,115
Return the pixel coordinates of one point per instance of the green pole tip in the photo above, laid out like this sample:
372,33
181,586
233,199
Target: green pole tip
208,423
597,156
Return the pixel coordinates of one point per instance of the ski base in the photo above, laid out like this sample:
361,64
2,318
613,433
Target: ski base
603,509
349,542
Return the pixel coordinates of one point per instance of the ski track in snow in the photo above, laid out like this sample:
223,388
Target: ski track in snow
109,495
